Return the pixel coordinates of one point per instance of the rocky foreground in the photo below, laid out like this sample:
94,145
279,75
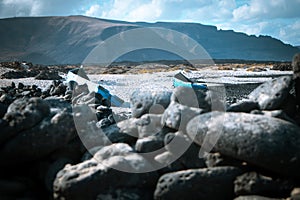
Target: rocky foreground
60,143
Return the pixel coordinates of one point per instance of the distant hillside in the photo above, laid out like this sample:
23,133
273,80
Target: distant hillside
68,40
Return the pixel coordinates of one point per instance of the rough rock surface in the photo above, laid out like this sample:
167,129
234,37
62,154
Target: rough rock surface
263,141
191,98
98,174
52,133
149,124
143,102
243,106
296,69
213,183
187,152
22,114
150,144
256,154
272,94
252,183
254,197
218,160
176,116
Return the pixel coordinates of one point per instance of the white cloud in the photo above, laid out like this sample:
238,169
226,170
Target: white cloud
258,9
15,8
94,11
254,29
149,11
119,9
211,12
290,33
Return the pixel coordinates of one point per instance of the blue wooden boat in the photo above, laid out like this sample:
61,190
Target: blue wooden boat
181,80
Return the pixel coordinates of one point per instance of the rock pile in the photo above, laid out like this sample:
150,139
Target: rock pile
175,145
27,70
255,149
38,137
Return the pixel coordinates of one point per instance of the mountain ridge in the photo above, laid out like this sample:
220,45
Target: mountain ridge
68,40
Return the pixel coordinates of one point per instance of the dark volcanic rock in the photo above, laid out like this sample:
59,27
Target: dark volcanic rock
57,88
213,183
282,66
187,152
126,194
263,141
17,188
48,75
289,106
192,98
243,106
252,183
143,102
254,197
19,74
176,116
217,160
296,69
149,124
11,93
96,176
125,131
168,162
272,94
3,109
58,104
52,133
23,114
150,144
280,114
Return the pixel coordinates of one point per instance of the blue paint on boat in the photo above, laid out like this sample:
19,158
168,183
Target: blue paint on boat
180,80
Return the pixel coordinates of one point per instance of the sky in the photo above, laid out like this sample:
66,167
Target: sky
277,18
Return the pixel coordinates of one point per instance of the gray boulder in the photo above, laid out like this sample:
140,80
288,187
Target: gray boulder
243,106
270,95
23,114
263,141
168,162
124,132
52,133
143,102
104,173
191,98
176,116
57,104
150,144
252,183
212,183
187,152
280,114
149,124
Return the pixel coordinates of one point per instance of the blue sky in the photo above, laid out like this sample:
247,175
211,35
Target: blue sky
277,18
